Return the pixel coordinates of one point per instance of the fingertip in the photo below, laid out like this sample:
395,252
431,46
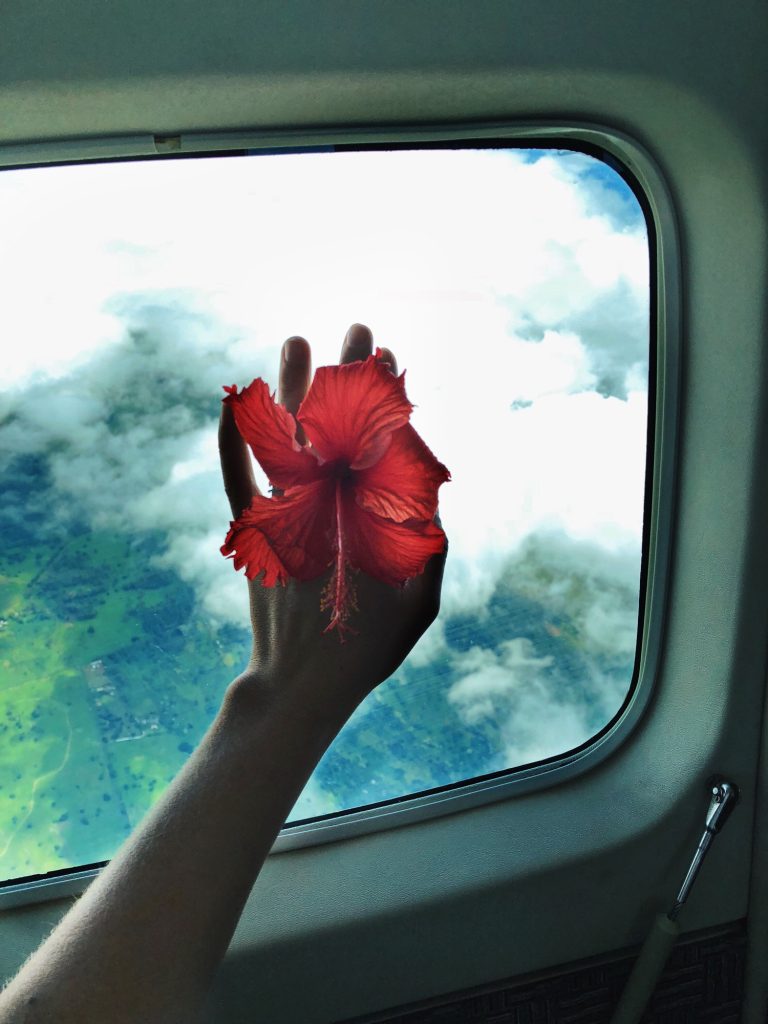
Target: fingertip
358,344
226,422
388,359
236,470
359,333
296,351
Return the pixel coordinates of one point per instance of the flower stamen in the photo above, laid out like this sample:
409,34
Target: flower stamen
339,593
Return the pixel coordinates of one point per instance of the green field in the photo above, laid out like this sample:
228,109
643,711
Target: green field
107,682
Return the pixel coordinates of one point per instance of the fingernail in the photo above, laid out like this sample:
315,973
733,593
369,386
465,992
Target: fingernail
359,339
292,350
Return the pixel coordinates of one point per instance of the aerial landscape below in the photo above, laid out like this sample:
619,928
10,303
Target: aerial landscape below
511,285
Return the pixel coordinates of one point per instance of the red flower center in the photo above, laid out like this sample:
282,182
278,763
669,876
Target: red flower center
341,471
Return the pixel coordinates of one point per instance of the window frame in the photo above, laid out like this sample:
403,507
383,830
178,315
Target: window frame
637,167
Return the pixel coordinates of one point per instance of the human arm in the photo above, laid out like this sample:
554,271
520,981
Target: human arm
143,943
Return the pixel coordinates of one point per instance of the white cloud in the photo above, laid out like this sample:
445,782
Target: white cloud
593,586
514,689
537,709
515,692
307,243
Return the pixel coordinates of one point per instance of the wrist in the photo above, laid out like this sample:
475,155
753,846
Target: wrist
299,697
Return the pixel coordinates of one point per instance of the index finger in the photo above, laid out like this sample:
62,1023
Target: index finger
236,468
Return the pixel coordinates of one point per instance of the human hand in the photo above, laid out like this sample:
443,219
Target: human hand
288,637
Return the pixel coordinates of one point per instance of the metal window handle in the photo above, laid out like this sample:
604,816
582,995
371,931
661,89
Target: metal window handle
725,796
658,943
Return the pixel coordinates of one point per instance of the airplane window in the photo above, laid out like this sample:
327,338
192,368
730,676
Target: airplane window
513,287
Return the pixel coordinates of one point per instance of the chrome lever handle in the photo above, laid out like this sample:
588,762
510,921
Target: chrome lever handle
724,797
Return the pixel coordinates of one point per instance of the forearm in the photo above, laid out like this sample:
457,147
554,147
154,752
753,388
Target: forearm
144,941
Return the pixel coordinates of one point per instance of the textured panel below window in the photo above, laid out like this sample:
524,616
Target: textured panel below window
702,984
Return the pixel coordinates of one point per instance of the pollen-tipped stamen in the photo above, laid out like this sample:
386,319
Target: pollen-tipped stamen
339,592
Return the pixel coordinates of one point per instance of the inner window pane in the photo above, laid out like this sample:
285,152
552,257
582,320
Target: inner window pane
512,286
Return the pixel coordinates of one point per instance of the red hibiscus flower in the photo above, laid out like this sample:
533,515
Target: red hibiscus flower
361,494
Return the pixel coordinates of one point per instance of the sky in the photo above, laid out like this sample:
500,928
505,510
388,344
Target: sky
512,287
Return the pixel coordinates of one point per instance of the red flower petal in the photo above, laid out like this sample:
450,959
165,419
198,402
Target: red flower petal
351,411
270,430
249,547
403,483
391,552
288,536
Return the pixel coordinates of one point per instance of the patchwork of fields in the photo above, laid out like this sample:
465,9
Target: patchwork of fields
121,625
106,683
109,675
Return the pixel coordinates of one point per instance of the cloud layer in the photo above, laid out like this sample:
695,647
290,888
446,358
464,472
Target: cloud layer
512,286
